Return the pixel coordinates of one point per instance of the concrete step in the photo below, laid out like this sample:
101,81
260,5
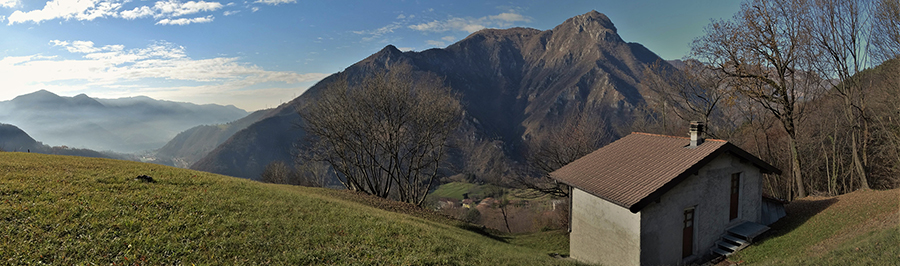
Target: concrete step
738,241
748,230
728,246
721,252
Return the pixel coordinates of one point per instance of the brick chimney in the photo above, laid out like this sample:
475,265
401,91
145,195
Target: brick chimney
697,129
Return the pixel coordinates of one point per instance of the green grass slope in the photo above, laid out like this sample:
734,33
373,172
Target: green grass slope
74,210
859,228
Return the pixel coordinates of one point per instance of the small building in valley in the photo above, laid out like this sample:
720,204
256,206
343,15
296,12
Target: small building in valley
650,199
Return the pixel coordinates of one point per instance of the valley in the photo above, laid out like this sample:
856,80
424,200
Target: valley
451,155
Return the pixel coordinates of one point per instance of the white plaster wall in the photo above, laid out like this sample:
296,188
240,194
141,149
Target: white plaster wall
709,191
602,232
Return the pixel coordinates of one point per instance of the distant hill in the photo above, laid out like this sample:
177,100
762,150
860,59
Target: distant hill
63,210
121,125
13,139
515,83
191,145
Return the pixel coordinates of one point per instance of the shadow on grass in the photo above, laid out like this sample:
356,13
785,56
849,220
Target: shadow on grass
798,212
483,231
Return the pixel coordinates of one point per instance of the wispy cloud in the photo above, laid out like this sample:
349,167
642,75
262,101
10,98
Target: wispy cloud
231,12
377,33
509,17
137,12
469,24
8,3
109,67
166,12
67,9
436,43
466,24
185,21
175,8
275,2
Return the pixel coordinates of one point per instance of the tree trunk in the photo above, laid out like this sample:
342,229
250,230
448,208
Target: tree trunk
795,167
857,163
505,218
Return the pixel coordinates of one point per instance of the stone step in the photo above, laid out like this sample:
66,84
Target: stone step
721,252
728,246
748,230
738,241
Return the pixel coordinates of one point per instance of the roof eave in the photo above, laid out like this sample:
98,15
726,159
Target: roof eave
764,167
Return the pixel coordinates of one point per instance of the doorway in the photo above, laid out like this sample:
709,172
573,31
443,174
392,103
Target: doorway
687,245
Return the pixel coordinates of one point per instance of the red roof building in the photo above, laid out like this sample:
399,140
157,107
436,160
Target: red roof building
655,199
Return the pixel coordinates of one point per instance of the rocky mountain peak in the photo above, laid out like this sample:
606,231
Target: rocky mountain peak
591,21
387,56
589,27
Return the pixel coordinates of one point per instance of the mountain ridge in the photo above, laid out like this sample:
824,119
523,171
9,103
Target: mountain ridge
514,83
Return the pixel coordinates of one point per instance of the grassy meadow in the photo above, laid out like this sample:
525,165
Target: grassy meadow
74,210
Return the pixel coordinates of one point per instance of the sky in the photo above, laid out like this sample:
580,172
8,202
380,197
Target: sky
260,53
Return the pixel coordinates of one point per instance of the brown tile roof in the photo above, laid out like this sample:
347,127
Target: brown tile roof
637,169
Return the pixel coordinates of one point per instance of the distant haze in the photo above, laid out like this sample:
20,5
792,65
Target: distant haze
121,125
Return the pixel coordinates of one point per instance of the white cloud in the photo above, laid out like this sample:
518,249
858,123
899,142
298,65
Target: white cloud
377,33
185,21
168,11
175,8
67,9
471,24
115,68
436,43
401,16
448,38
275,2
231,12
8,3
254,9
137,12
405,49
510,17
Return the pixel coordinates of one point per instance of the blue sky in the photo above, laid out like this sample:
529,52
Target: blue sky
261,53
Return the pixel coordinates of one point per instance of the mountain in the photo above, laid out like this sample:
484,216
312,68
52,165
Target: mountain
514,83
121,125
191,145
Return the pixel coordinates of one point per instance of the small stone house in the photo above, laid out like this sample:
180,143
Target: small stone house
650,199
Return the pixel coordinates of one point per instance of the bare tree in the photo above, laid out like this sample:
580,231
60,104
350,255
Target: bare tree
312,173
386,134
764,49
485,161
886,30
278,172
841,33
692,92
550,150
